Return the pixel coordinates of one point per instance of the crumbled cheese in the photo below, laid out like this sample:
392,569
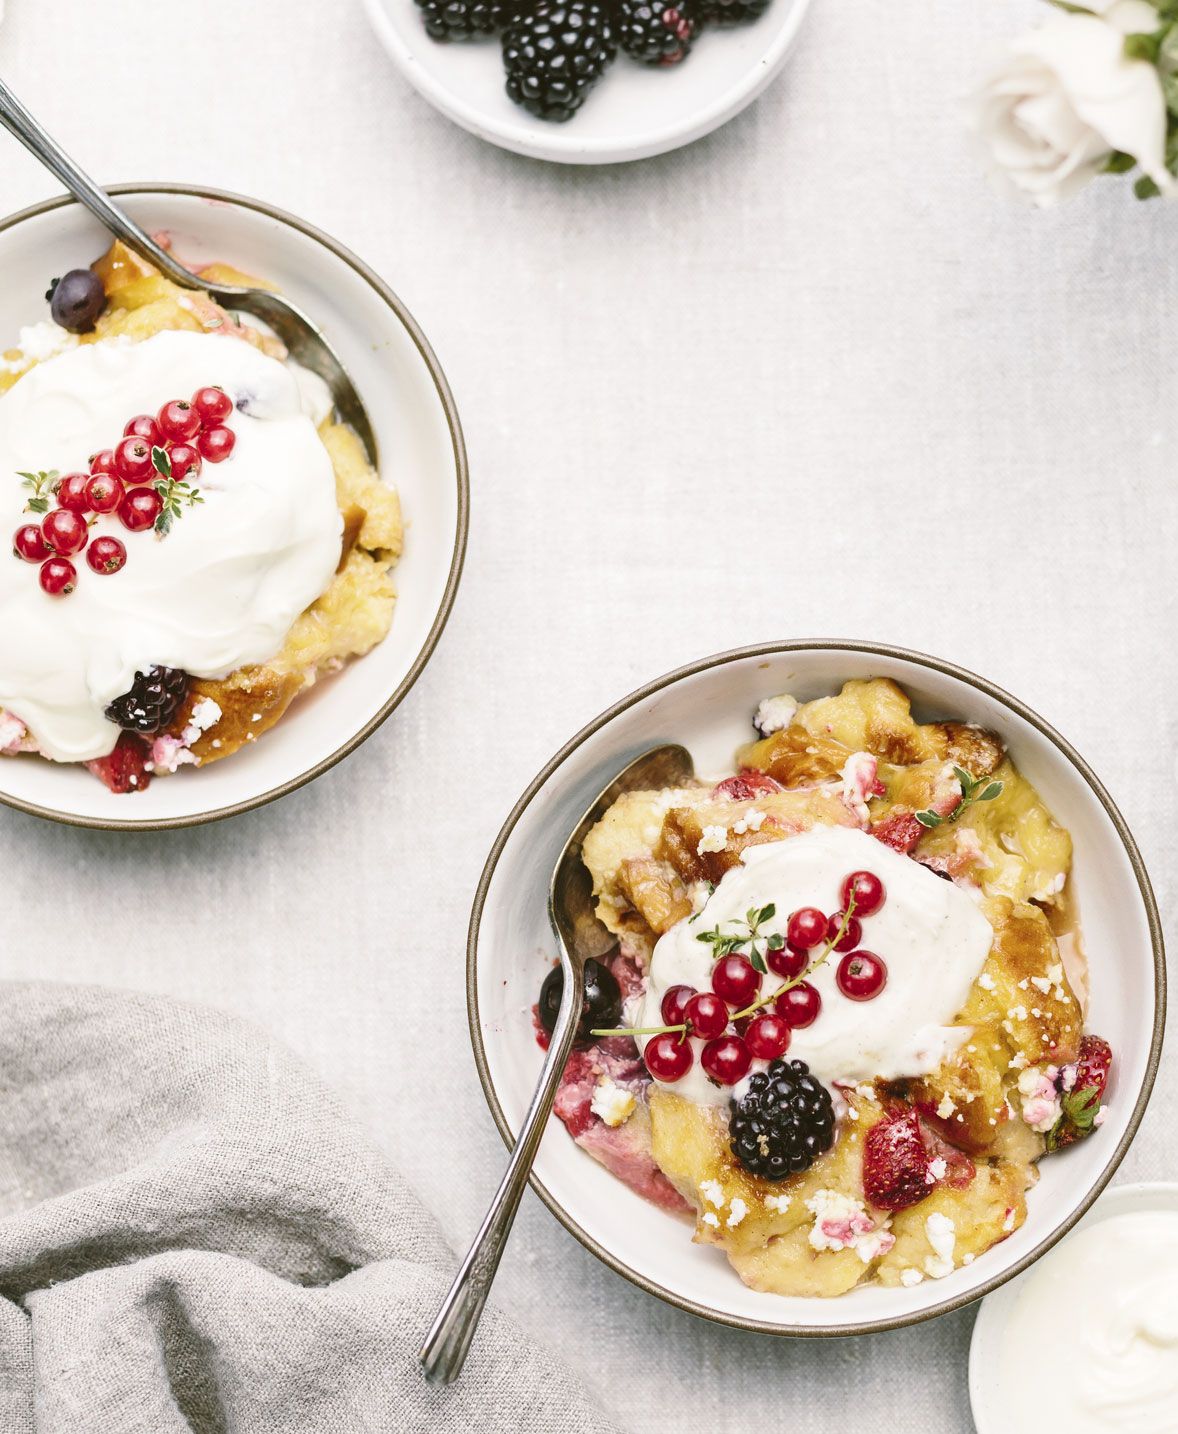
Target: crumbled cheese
941,1233
1008,1222
736,1212
842,1222
986,981
709,1218
1019,1013
1041,984
713,1193
1017,1062
946,1107
937,1170
780,1203
612,1103
859,783
714,838
967,1259
38,342
775,714
752,821
911,1276
1101,1116
1041,1106
205,714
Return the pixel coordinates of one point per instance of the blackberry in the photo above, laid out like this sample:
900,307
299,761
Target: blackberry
733,12
152,701
603,1000
658,33
784,1123
460,19
555,53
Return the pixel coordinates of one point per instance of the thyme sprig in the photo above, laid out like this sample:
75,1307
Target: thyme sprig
973,789
43,486
175,494
766,913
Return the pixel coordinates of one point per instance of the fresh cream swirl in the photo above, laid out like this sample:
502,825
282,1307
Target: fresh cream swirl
930,934
225,585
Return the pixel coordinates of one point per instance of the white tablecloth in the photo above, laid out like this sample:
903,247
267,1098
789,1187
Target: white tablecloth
806,377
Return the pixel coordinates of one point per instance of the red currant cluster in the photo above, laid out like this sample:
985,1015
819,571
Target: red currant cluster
735,1000
139,479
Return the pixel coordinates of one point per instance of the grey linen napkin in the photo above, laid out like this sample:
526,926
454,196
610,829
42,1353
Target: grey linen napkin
195,1237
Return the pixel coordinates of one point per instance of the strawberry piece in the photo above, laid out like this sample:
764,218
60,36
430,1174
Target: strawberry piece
900,830
125,769
1081,1104
896,1162
749,783
959,1168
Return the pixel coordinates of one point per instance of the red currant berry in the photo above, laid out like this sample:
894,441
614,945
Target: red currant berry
806,928
668,1057
133,460
213,405
767,1037
216,444
868,891
789,961
674,1007
58,577
104,492
708,1015
799,1006
65,531
71,492
28,542
145,427
103,461
106,554
139,509
726,1060
850,938
735,980
861,976
185,461
178,421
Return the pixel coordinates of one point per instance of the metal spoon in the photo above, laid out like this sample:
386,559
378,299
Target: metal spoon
580,937
304,340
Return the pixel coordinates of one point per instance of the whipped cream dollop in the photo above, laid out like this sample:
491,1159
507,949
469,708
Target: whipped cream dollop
930,934
219,591
1091,1345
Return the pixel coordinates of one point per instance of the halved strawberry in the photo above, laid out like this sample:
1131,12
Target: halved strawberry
900,830
746,785
896,1162
125,769
1081,1104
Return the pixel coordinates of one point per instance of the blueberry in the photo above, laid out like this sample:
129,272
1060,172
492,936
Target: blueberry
76,300
603,999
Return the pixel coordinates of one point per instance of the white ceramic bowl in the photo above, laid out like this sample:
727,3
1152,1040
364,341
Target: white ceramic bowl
707,707
421,450
987,1395
633,112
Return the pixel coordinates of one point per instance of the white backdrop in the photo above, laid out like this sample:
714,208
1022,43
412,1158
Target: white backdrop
805,378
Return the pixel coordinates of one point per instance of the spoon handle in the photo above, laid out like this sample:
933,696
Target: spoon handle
446,1346
18,121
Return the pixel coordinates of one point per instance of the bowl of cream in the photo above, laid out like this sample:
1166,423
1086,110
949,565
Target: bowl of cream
1087,1341
707,707
234,574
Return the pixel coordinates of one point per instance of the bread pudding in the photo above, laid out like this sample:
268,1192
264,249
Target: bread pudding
845,1018
198,540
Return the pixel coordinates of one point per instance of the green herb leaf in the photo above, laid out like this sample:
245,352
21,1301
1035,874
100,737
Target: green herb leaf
776,941
757,961
992,791
162,463
42,486
176,497
929,818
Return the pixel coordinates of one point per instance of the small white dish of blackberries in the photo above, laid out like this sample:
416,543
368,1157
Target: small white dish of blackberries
589,81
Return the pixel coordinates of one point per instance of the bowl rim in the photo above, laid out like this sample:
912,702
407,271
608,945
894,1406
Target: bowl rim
983,1403
871,649
462,472
559,146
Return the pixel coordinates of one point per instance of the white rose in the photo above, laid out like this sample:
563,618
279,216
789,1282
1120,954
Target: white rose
1066,97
